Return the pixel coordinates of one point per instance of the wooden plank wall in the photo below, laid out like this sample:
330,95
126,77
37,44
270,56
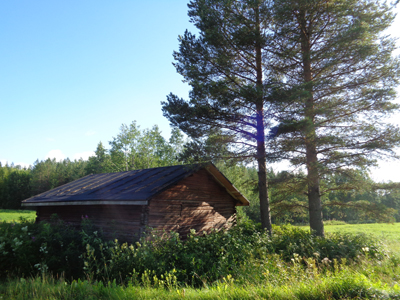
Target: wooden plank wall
197,202
125,222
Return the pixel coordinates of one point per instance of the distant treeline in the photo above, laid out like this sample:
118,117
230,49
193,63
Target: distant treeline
362,200
358,200
131,149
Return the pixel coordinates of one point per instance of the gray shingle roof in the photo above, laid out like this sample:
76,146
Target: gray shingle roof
131,186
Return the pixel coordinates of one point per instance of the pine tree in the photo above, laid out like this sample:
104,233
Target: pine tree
100,162
227,69
339,77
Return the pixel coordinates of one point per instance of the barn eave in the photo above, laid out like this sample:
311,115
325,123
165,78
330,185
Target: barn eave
86,202
229,187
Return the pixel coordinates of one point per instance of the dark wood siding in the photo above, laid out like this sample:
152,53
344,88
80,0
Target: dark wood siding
197,202
125,222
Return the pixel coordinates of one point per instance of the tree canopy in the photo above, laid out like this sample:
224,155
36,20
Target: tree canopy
320,73
227,69
338,86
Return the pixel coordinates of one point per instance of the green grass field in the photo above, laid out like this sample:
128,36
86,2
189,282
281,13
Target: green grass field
11,215
387,233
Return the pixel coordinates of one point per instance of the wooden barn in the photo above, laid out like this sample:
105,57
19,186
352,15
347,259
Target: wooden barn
123,204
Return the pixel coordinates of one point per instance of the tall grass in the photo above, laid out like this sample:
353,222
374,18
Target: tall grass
283,282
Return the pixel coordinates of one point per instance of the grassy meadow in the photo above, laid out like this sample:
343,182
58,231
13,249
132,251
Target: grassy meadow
11,215
386,233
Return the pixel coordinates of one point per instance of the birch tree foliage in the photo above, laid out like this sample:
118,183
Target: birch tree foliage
134,148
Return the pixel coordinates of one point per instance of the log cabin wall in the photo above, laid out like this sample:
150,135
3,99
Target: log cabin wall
197,202
124,222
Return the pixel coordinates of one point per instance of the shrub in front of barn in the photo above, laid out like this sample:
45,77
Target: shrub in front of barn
201,260
197,261
29,249
163,259
16,248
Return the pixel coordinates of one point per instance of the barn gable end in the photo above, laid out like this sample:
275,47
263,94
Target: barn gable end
197,202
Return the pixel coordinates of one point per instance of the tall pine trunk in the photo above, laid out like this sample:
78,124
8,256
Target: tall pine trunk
314,197
263,188
261,155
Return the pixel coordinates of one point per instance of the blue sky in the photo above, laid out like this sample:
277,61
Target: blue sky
71,72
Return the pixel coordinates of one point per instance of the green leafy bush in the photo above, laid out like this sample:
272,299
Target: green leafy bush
200,260
163,259
28,248
17,254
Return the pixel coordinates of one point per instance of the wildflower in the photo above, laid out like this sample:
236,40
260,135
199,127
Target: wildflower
33,238
326,261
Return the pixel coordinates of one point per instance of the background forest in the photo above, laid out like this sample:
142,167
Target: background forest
133,148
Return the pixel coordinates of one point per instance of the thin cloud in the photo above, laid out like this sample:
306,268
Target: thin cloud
50,140
386,171
90,132
57,154
84,155
21,164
